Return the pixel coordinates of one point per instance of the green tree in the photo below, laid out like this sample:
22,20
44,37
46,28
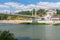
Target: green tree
25,13
3,16
58,12
6,35
41,12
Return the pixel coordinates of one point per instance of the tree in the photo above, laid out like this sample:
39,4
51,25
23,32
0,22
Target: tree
58,11
25,13
41,12
2,16
6,35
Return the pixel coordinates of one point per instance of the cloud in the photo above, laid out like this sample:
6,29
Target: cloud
21,7
47,5
5,11
3,6
12,4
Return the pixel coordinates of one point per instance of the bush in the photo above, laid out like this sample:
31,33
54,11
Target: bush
6,35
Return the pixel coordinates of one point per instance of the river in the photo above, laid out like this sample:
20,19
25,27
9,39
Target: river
36,32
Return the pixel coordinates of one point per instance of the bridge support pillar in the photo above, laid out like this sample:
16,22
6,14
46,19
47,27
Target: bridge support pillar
34,20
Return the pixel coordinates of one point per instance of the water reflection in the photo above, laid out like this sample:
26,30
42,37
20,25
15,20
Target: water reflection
27,38
33,32
52,33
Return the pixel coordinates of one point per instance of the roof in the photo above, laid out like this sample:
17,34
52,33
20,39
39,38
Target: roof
55,16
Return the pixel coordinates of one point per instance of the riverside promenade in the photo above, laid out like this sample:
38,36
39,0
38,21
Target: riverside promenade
22,21
13,21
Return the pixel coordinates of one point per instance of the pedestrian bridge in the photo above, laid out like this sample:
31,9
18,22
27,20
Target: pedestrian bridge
28,16
20,15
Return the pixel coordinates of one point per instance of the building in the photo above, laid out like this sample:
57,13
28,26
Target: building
49,15
55,18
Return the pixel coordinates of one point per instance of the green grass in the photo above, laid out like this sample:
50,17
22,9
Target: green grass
35,23
57,24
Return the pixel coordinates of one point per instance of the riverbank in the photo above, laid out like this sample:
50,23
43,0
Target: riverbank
35,23
57,24
14,21
10,21
27,22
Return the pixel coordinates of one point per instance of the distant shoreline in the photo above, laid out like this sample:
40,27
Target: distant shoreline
12,21
26,21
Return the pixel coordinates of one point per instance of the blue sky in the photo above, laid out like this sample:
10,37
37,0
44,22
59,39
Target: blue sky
28,1
25,5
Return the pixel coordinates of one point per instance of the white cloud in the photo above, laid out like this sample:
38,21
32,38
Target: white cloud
3,6
12,4
5,11
39,5
49,5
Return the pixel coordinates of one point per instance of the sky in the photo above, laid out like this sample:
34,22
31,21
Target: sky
28,1
28,5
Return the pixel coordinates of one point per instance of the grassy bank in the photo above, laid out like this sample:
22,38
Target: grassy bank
57,24
35,23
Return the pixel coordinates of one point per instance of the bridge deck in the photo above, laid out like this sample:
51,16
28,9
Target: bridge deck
20,15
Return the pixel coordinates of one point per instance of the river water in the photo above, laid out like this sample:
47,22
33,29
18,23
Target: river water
36,32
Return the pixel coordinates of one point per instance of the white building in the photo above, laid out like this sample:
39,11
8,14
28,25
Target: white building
49,14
